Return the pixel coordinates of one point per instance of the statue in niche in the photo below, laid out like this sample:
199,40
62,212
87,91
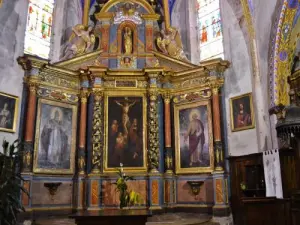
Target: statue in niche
169,42
81,41
127,40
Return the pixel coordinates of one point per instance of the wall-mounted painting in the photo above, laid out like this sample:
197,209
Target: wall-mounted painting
241,112
193,137
55,138
8,112
125,125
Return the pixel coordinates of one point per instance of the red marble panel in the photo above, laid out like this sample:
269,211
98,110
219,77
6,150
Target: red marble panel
155,192
95,193
25,197
184,193
219,191
41,196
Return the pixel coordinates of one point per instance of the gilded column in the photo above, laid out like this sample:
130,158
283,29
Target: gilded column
82,132
97,131
219,155
167,14
153,130
29,126
86,10
168,140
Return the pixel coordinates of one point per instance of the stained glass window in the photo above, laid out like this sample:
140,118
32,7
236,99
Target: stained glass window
38,29
210,29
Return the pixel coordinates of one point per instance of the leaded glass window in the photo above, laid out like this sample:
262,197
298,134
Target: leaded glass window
39,27
210,29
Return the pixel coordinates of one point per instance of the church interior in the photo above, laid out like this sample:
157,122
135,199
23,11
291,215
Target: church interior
150,112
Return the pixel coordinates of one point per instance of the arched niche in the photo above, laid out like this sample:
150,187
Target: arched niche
142,3
120,33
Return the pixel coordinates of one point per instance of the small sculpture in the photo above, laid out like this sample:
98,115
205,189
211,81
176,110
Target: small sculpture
80,41
128,40
170,43
296,63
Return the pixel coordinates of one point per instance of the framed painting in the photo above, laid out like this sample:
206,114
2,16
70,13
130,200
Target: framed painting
193,137
8,112
241,112
55,143
125,129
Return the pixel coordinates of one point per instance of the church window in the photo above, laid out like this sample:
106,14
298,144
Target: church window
39,27
210,29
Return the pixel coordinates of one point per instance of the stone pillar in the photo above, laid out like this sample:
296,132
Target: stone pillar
86,10
30,124
97,131
82,132
168,140
219,155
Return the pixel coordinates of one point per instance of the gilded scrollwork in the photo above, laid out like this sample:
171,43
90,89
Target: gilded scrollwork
97,131
57,95
204,94
153,154
58,81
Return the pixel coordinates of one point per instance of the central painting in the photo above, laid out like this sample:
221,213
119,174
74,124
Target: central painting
125,129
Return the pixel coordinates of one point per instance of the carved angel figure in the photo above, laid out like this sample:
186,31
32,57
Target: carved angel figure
80,41
170,43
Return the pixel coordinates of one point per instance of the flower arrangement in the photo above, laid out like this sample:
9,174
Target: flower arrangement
127,198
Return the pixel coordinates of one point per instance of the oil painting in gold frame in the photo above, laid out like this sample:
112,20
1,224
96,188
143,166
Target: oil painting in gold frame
125,131
8,112
55,142
193,137
241,112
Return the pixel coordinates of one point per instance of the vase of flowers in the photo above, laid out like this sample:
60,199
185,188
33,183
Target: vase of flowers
127,198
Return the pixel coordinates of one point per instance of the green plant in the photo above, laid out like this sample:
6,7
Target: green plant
127,198
10,183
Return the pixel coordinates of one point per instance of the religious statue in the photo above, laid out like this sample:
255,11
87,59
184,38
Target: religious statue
127,40
296,63
196,138
80,41
170,43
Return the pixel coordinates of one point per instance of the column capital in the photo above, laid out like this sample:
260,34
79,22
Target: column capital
83,95
167,97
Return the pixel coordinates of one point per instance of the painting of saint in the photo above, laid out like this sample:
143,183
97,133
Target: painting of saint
242,117
193,144
125,132
56,137
8,112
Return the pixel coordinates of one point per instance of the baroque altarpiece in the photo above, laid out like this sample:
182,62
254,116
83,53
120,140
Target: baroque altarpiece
135,100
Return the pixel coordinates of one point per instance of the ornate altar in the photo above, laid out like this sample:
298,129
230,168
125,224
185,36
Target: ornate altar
136,100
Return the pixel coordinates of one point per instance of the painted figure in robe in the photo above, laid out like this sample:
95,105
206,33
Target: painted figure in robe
54,139
195,136
243,118
5,117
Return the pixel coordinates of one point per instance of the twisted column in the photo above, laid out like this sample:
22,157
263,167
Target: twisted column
97,131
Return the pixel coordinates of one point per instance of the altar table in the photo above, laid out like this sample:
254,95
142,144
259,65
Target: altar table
112,217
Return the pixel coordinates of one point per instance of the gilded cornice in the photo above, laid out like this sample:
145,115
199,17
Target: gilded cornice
79,59
173,60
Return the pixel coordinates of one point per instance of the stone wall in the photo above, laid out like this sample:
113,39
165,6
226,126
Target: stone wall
13,17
